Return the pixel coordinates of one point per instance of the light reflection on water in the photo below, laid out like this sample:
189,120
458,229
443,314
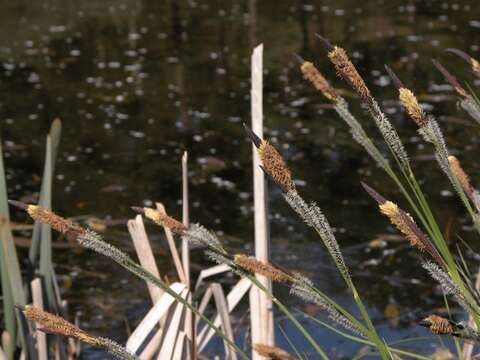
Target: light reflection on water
138,82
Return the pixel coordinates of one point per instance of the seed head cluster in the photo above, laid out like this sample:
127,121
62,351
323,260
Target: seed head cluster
348,72
275,167
412,107
251,264
311,73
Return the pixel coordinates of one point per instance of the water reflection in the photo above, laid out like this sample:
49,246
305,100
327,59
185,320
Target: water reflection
138,82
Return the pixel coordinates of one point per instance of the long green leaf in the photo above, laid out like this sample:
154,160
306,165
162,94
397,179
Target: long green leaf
46,187
12,285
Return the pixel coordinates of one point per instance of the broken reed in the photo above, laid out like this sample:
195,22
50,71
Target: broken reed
93,241
54,324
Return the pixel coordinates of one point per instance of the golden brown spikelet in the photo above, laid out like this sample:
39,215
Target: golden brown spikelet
461,176
412,107
311,73
407,226
438,325
57,325
272,352
475,66
163,219
255,266
275,167
392,211
57,222
347,71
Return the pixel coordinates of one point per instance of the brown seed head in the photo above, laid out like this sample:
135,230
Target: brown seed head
311,73
438,324
163,219
275,167
57,222
392,211
272,352
54,324
461,176
412,107
348,72
255,266
407,226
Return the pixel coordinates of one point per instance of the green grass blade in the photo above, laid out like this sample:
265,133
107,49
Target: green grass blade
46,188
290,342
12,285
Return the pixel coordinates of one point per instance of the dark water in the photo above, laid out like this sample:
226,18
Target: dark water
136,83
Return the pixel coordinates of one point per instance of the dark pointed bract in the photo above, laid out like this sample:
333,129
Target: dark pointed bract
255,139
459,53
376,196
396,81
326,43
18,204
138,209
298,58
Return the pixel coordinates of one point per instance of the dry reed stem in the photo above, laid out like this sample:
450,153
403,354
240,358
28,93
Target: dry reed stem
348,72
311,73
272,352
461,176
438,325
412,107
251,264
451,79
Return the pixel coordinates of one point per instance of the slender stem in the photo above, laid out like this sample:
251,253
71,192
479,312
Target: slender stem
290,316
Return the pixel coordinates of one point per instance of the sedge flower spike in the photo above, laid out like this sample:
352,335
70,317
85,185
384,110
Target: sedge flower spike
405,224
311,73
272,162
54,324
347,70
461,176
253,265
